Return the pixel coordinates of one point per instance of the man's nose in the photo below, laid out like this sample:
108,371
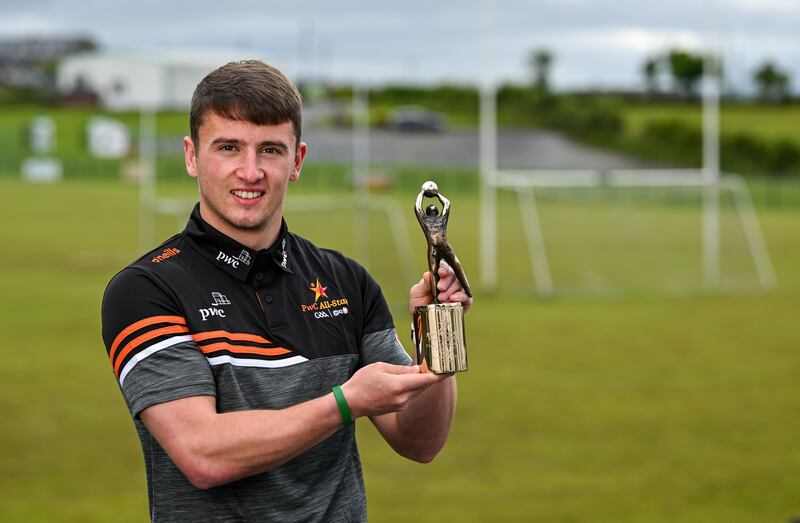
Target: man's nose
249,171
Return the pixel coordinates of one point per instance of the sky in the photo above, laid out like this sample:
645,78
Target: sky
595,43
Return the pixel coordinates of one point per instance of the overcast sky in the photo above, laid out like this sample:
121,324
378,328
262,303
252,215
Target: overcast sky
599,43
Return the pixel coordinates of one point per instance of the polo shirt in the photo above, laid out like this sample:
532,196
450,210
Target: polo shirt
203,315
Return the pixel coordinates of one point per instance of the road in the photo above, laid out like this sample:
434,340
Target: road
516,149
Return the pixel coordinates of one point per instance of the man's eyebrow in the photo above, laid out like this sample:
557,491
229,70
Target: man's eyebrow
275,143
236,141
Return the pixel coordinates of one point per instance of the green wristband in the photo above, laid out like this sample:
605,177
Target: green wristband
344,408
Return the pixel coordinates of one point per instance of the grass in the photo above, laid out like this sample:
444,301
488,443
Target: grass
638,406
765,121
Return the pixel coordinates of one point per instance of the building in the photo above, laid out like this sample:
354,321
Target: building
132,80
28,62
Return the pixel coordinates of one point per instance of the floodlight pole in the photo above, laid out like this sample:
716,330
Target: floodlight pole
488,150
711,164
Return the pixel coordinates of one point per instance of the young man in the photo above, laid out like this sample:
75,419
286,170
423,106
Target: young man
230,340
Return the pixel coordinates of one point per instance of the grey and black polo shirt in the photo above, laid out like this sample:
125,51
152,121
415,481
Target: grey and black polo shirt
203,315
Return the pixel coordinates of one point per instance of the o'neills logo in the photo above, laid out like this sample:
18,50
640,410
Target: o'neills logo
324,308
168,253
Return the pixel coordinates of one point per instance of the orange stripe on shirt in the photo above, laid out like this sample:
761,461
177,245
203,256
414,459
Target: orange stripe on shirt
237,336
172,329
139,325
241,349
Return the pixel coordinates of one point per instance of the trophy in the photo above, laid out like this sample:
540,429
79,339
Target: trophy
439,327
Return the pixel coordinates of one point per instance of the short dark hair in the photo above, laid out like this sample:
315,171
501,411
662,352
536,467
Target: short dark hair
249,90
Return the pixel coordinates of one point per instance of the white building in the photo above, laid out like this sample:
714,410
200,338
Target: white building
129,80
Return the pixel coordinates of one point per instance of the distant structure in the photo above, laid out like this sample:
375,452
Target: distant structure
132,80
29,61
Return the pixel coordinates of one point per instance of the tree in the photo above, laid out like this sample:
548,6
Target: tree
772,82
686,69
650,70
540,61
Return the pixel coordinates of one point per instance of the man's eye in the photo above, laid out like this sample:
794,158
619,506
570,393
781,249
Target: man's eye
227,147
270,150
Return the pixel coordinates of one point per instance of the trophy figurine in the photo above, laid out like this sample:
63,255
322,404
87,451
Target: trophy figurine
439,327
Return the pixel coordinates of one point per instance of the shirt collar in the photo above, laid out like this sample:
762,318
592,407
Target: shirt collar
230,255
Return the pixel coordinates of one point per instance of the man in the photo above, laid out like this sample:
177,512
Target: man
231,339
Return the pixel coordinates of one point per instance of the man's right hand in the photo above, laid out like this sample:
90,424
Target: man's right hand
380,388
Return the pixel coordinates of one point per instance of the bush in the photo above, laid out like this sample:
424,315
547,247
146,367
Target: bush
678,141
744,152
785,157
597,119
673,134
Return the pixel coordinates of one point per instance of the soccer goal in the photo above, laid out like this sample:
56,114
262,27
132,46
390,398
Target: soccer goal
587,231
591,230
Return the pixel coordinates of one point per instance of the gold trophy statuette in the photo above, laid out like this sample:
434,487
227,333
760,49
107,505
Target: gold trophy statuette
439,327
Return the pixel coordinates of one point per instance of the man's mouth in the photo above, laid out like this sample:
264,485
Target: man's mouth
247,195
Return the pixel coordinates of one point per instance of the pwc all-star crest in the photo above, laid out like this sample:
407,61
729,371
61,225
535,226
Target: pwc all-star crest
329,307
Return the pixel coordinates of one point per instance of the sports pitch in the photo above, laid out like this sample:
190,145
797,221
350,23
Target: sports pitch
657,403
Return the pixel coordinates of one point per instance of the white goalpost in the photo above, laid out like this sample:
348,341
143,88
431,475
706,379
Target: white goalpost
526,183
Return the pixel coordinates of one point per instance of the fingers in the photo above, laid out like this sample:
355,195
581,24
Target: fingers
420,292
449,287
408,377
444,268
422,288
379,388
420,380
399,369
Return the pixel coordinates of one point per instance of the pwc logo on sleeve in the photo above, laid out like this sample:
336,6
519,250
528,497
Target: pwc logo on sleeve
325,308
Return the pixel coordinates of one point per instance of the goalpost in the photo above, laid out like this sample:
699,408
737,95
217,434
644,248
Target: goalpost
526,183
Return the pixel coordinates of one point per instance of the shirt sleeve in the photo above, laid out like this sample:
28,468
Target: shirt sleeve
152,354
379,341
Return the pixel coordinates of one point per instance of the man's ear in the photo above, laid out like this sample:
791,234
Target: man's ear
189,156
299,156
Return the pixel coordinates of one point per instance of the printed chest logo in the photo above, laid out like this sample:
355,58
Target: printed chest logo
218,299
243,257
327,308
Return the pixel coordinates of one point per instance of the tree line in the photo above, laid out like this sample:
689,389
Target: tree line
683,69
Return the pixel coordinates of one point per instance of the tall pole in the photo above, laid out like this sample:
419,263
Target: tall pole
360,111
488,150
147,181
711,167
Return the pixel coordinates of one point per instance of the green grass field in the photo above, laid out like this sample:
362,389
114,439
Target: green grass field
639,405
765,121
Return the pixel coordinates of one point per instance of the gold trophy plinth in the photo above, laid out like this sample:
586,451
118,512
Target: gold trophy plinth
439,327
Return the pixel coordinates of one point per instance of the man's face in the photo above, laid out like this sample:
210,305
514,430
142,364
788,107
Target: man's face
243,170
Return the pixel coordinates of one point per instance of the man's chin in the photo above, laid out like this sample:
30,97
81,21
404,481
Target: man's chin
249,225
246,222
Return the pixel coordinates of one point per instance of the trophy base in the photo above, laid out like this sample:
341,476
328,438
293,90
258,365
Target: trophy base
439,337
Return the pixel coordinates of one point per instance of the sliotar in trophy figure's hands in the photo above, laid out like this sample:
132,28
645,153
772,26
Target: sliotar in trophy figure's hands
439,327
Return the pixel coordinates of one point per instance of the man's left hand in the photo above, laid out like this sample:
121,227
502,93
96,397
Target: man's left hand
449,288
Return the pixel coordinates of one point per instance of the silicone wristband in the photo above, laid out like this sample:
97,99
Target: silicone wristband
341,402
